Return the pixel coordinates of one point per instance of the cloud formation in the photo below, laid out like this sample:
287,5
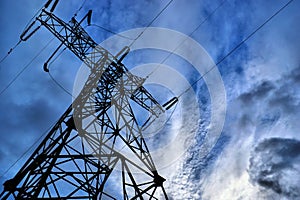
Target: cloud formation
269,109
275,164
261,78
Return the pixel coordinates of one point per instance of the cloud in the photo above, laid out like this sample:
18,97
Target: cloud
257,93
263,100
268,109
275,164
261,79
33,102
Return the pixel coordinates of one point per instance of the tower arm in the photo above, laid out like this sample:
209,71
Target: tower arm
71,34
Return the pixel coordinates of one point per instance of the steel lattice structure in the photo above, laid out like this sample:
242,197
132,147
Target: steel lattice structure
62,167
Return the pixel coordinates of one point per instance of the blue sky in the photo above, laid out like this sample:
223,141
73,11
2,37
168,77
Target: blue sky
261,79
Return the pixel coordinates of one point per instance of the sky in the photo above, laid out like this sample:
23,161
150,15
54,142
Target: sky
257,155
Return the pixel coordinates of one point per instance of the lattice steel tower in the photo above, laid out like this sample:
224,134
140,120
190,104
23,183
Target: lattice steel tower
101,117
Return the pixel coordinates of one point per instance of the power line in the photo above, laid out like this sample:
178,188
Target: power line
158,14
17,44
29,149
53,79
171,53
220,61
151,22
110,31
59,85
25,67
78,10
56,57
141,33
134,40
50,75
9,52
237,46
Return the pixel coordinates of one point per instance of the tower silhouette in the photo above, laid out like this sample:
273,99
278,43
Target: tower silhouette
98,138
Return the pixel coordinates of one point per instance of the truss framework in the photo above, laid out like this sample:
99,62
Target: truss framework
97,133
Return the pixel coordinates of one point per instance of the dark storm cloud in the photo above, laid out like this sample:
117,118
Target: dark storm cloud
29,116
296,75
284,100
285,97
220,34
251,111
33,102
274,164
269,108
268,101
22,124
259,91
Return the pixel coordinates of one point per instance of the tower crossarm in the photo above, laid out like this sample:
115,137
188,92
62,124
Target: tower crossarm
71,34
106,124
76,39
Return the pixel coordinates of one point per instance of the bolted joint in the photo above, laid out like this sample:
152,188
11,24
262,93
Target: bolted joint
10,185
71,124
158,180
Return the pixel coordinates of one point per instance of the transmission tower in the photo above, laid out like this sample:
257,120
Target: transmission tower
98,135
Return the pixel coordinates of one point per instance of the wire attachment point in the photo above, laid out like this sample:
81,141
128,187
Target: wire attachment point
170,103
